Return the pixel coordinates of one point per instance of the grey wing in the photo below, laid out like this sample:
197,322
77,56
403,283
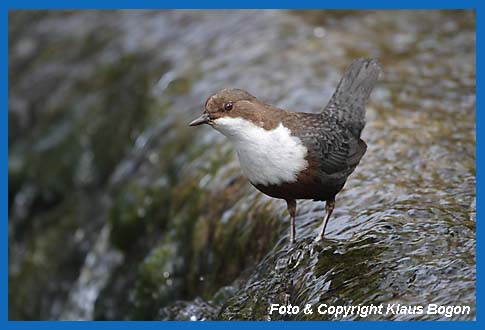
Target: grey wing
347,105
336,149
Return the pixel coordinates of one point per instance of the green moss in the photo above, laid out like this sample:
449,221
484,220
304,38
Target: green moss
51,259
179,86
136,210
156,284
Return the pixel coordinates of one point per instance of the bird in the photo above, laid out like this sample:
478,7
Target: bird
297,155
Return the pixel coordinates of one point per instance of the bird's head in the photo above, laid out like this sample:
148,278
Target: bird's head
234,111
230,110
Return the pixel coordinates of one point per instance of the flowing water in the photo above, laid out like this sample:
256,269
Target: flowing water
119,210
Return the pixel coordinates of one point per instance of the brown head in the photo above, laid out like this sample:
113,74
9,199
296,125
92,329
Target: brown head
234,103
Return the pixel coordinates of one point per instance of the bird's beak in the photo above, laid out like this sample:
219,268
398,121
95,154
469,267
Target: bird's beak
204,119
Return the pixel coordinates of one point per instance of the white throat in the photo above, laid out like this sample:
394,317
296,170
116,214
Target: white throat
266,156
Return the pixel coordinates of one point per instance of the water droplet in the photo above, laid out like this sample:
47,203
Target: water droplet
153,157
141,212
319,32
141,142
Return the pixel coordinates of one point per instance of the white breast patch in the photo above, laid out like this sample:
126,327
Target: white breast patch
266,157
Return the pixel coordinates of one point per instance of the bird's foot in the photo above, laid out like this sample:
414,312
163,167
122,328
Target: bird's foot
318,239
291,246
294,258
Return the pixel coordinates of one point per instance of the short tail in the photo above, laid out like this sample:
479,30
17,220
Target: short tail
347,104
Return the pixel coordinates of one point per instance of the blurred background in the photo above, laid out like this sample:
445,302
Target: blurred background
119,210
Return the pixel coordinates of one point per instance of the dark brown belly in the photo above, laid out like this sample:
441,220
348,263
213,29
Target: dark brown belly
305,189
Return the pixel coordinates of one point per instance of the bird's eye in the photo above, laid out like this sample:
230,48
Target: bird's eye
228,106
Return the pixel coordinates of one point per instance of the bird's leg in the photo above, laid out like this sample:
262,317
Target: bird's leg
329,205
291,205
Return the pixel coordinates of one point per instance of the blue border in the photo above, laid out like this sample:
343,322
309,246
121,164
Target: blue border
6,5
48,325
346,4
4,167
479,153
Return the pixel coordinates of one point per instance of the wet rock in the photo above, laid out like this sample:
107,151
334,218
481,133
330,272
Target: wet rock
196,310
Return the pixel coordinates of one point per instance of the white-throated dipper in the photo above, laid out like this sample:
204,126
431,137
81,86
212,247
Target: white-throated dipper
296,155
